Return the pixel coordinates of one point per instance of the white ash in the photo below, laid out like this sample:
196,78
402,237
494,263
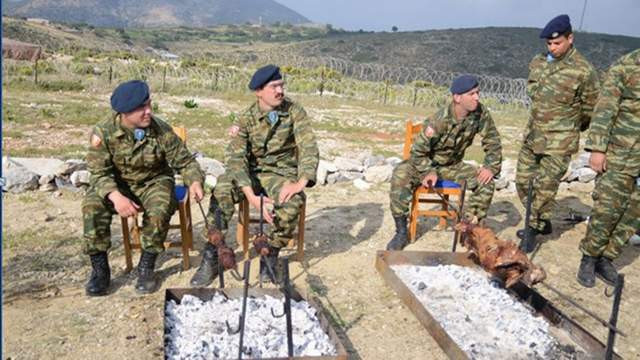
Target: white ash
484,321
196,329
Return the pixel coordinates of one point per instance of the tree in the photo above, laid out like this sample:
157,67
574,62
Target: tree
394,28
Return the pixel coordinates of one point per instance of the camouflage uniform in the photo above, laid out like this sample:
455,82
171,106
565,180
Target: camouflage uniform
615,130
141,170
440,148
265,157
563,93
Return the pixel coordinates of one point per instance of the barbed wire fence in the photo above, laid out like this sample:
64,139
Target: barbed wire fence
321,76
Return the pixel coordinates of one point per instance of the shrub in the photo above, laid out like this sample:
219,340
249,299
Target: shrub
190,104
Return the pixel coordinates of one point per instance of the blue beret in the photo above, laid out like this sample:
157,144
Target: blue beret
463,83
556,27
129,96
263,76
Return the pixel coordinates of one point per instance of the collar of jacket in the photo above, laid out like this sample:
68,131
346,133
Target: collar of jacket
152,130
260,115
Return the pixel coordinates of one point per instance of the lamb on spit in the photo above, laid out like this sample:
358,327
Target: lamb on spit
225,254
501,258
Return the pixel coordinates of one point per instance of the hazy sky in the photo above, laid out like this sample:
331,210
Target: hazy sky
603,16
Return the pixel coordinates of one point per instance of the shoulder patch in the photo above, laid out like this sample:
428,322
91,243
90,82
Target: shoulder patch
96,141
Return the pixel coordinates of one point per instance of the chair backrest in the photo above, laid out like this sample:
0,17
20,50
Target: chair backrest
181,132
411,131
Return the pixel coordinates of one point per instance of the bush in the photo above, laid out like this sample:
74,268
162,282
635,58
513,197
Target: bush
82,69
61,85
190,104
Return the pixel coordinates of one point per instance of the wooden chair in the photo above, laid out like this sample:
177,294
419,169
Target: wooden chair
132,231
245,220
424,195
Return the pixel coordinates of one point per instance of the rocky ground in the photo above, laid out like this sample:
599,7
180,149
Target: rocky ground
47,316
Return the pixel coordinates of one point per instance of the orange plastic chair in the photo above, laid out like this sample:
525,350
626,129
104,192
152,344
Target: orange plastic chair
424,195
132,232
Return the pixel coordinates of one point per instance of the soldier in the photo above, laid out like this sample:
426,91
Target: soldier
132,158
438,152
274,152
563,88
614,143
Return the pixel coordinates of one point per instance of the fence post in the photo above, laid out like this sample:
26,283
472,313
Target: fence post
321,81
415,95
386,91
35,72
215,79
164,77
110,73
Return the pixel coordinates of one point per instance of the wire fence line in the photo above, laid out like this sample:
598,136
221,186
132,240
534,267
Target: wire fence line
321,76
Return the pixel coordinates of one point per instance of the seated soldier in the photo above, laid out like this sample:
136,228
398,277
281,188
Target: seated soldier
438,152
273,152
132,158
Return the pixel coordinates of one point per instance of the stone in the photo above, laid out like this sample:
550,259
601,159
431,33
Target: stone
348,164
40,166
377,174
46,179
393,161
372,160
211,166
80,177
17,177
361,184
210,182
586,175
349,175
324,168
501,183
70,166
48,187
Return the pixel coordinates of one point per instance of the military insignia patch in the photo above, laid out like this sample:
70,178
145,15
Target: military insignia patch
429,131
95,140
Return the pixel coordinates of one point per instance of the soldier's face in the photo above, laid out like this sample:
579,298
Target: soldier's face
560,45
469,100
271,95
138,118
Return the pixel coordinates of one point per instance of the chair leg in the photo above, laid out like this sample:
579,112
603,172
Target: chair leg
442,224
184,233
413,219
126,242
301,220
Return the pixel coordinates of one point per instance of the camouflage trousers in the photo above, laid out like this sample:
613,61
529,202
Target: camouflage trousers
615,215
405,180
227,194
158,204
546,171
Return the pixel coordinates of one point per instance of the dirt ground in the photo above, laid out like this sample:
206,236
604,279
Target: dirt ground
47,315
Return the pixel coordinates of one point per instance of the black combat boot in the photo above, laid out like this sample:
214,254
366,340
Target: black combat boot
401,238
606,271
587,271
208,267
268,264
547,229
528,237
146,277
100,275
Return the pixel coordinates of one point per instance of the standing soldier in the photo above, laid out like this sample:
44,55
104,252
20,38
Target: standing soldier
438,152
273,152
614,143
132,158
563,88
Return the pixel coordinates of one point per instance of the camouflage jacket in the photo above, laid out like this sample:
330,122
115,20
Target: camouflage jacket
563,93
615,128
288,148
116,159
443,141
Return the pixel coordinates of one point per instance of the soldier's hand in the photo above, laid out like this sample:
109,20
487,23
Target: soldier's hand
255,202
196,191
124,206
288,190
598,162
484,175
430,180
